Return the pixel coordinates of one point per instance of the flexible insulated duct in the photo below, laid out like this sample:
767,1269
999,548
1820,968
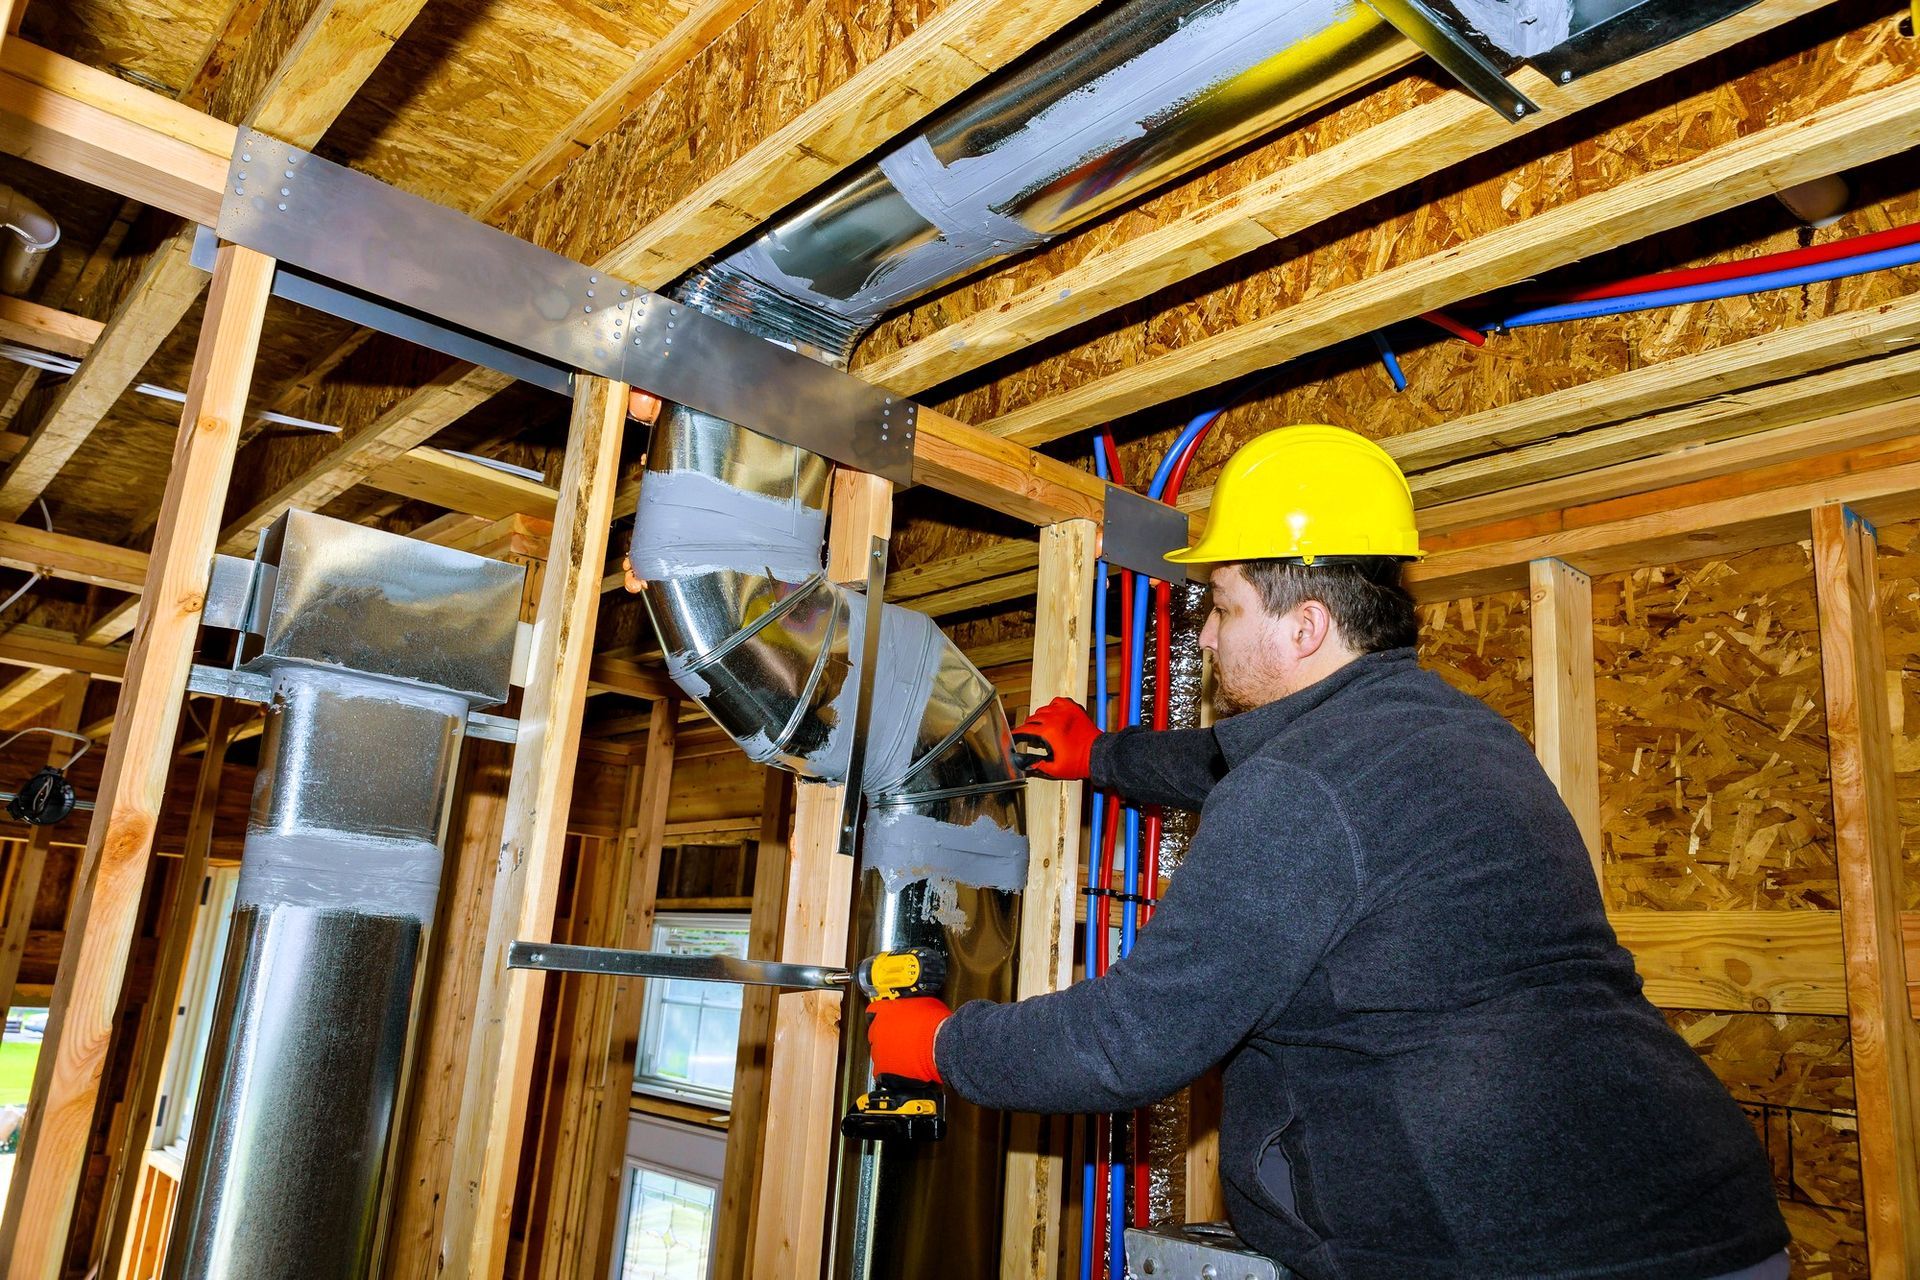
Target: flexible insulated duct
730,530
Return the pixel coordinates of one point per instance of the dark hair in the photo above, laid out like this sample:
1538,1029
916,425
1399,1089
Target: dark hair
1363,593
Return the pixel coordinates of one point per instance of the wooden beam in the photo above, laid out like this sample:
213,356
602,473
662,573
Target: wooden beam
746,1131
1763,507
30,646
1868,126
1684,465
966,462
790,1215
1859,386
120,837
29,862
1764,961
168,287
1710,376
645,840
1566,730
635,680
430,1122
1063,639
330,57
361,450
47,328
108,132
1321,184
460,484
505,1017
1014,556
59,555
1866,830
143,1085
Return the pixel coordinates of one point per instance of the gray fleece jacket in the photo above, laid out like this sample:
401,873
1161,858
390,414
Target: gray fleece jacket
1438,1059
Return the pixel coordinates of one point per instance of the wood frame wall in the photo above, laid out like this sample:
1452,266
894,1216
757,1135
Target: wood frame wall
147,148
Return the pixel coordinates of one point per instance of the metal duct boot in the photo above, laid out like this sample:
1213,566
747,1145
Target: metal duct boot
377,647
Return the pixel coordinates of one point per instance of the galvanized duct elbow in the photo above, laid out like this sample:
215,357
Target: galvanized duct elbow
32,234
730,538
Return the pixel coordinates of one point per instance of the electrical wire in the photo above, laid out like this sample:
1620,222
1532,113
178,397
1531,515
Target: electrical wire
32,578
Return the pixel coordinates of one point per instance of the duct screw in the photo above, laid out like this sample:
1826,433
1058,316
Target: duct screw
1566,77
283,206
1519,109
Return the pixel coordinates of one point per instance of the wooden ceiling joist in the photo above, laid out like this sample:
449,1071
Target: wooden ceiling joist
46,328
306,85
1407,148
1876,119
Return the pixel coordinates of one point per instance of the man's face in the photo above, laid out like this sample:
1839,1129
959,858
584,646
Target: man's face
1256,656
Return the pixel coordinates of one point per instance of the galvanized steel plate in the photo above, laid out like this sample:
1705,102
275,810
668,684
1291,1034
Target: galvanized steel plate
1198,1251
358,232
1138,533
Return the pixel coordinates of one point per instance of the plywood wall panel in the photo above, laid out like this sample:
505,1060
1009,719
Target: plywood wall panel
1713,762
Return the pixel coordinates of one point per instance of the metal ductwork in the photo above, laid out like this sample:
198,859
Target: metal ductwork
33,234
377,647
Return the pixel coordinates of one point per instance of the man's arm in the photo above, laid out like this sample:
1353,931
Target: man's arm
1268,886
1173,767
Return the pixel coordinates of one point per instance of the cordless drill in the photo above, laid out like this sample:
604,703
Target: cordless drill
896,1107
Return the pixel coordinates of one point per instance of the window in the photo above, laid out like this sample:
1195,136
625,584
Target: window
672,1185
690,1031
193,1016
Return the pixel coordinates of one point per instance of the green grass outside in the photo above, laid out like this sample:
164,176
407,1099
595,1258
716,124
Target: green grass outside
16,1071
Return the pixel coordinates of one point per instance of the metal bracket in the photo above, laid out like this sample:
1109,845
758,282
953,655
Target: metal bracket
1606,32
1197,1251
247,686
565,958
1137,533
430,274
1459,56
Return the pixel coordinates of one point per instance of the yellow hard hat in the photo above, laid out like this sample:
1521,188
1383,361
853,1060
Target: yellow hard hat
1300,493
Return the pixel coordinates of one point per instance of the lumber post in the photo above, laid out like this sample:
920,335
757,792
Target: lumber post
1866,829
1566,728
112,871
791,1209
30,859
486,1149
746,1127
644,834
1062,647
143,1089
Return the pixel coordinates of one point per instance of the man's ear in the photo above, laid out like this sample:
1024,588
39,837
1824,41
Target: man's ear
1311,626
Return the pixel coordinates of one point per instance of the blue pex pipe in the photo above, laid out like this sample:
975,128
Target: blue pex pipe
1788,278
1387,358
1089,1172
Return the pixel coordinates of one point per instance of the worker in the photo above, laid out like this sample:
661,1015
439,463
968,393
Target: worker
1438,1059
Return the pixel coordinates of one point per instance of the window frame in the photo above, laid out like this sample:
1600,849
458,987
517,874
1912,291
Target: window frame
685,1151
192,1025
653,1000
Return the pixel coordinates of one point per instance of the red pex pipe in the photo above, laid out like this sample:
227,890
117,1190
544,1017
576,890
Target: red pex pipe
1852,246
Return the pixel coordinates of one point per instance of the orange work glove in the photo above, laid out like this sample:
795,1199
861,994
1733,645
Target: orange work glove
900,1037
1056,741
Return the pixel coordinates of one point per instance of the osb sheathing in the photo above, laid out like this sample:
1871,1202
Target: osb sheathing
470,93
156,43
1713,753
768,68
1483,647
